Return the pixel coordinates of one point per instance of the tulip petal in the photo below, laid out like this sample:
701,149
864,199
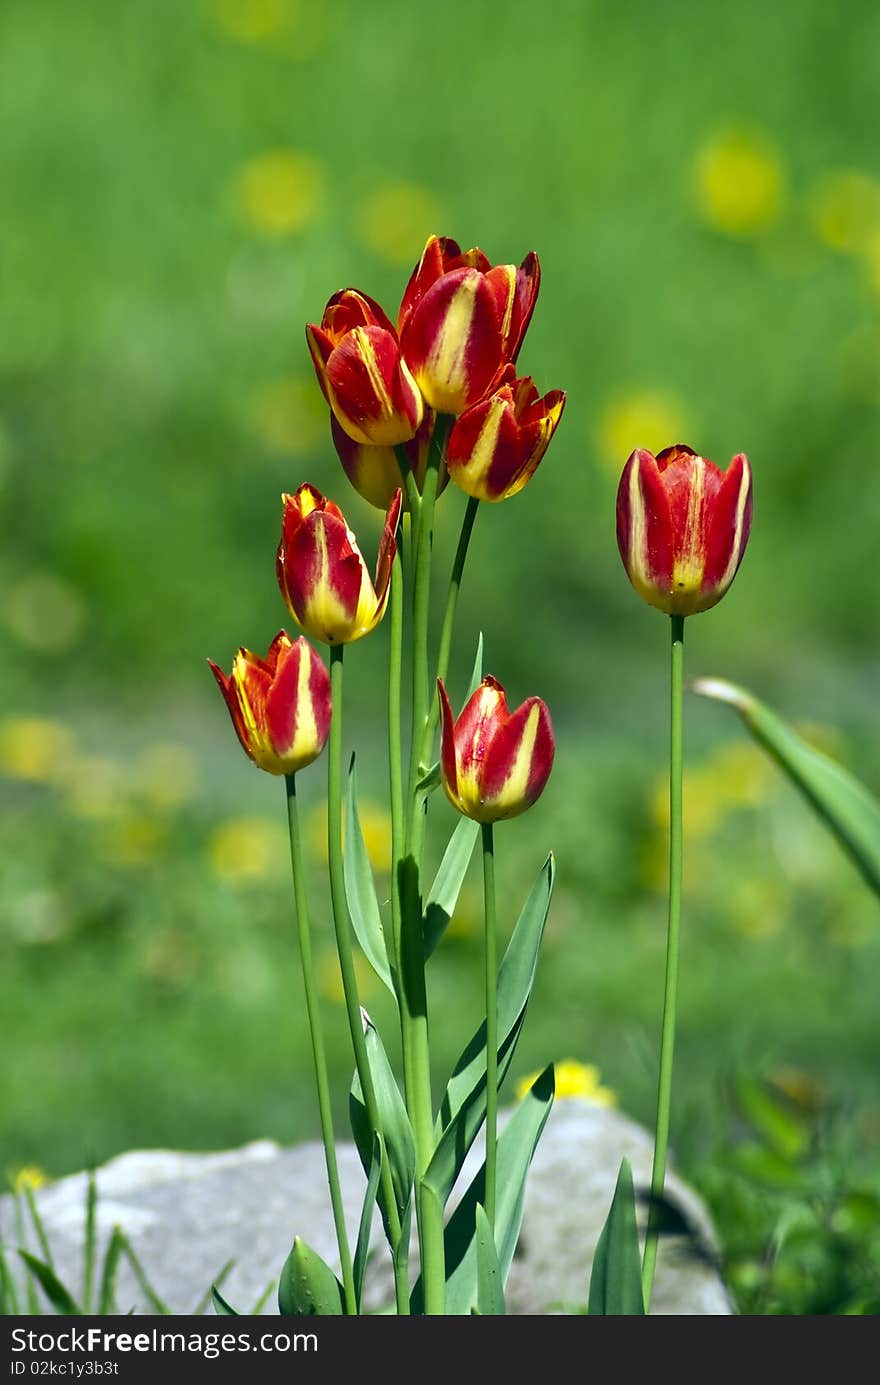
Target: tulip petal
729,526
448,764
644,527
452,341
298,705
518,761
370,388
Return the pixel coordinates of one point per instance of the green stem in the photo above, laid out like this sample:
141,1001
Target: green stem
491,978
395,751
422,607
319,1056
461,553
342,927
667,1039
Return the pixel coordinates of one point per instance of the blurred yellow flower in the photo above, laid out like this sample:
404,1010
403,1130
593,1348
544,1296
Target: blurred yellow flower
757,908
645,418
844,209
702,802
165,774
44,612
245,850
739,183
28,1176
329,978
94,786
742,774
278,192
467,918
290,416
297,28
396,218
34,748
135,840
573,1079
375,825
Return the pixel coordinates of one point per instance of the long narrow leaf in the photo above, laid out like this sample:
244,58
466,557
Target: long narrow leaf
204,1302
360,889
362,1248
516,1145
90,1241
842,802
477,670
490,1290
9,1299
39,1228
59,1297
616,1278
464,1102
32,1298
443,895
140,1274
107,1291
395,1129
221,1307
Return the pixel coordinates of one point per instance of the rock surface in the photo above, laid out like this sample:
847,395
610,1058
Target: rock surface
186,1215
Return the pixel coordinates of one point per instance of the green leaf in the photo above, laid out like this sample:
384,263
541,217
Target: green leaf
107,1291
360,889
616,1278
464,1102
10,1304
444,892
221,1307
263,1299
430,780
362,1249
140,1274
395,1129
30,1199
477,671
786,1130
308,1287
846,807
90,1241
202,1305
516,1145
51,1285
490,1290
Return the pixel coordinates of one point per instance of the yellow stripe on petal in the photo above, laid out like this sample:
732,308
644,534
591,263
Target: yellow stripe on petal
514,793
306,736
445,368
687,571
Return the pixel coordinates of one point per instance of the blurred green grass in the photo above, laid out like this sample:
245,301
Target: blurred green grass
184,186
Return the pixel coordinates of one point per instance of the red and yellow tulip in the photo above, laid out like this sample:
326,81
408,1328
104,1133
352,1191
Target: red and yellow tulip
322,574
496,446
462,321
682,527
280,705
494,763
375,471
364,378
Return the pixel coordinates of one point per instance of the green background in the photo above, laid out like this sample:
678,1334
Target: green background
183,188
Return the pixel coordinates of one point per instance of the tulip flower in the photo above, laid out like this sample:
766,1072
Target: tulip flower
682,527
494,763
321,573
280,705
375,471
462,321
495,448
364,378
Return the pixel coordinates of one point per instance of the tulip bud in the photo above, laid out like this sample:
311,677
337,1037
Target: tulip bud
462,321
495,448
280,705
364,378
494,763
321,573
375,471
682,527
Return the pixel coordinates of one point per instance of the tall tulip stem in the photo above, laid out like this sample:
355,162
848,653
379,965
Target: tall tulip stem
342,929
667,1039
319,1056
491,965
461,553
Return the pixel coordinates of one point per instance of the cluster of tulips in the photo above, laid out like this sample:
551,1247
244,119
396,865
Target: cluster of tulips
438,399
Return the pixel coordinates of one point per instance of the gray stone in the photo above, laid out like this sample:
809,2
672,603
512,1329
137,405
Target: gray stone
187,1214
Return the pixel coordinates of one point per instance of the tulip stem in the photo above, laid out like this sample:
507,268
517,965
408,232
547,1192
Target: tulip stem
667,1039
491,965
395,752
422,606
319,1056
342,927
461,553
